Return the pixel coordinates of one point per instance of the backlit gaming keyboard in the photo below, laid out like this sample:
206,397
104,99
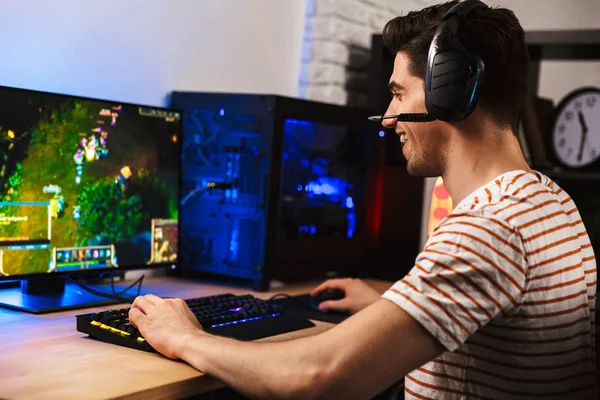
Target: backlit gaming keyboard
240,317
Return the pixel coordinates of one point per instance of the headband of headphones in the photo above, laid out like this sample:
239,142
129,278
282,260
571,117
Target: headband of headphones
454,75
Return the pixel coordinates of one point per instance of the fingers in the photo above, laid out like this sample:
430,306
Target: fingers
334,305
142,303
152,298
136,317
329,285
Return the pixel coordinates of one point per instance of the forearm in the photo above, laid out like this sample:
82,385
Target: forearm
258,370
379,285
355,359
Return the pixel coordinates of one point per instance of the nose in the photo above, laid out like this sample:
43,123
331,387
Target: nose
389,122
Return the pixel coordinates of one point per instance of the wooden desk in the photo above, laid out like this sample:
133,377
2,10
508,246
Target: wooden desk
45,357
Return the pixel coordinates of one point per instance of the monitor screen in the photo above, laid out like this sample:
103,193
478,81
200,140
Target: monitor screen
86,184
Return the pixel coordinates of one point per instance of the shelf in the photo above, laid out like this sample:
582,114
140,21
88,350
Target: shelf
571,38
581,44
563,45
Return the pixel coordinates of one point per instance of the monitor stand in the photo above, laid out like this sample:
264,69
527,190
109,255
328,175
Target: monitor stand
50,294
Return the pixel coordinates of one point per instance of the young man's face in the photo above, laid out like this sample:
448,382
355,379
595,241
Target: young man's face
426,146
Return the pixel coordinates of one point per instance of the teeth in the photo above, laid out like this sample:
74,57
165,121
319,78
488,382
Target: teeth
403,138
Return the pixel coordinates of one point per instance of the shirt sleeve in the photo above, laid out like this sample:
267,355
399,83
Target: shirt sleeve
472,268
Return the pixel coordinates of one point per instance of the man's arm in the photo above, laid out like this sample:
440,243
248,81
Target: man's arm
380,285
356,359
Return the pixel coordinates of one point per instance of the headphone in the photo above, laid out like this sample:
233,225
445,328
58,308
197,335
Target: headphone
454,75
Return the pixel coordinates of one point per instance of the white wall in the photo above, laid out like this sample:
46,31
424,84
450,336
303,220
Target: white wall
140,50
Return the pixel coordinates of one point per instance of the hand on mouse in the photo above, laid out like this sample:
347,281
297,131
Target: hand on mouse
358,295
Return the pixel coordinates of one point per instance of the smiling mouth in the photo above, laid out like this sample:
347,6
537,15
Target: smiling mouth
403,137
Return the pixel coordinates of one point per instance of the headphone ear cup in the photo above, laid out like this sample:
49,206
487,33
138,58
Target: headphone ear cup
453,84
449,73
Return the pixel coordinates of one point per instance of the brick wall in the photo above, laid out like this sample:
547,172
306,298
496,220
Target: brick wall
337,44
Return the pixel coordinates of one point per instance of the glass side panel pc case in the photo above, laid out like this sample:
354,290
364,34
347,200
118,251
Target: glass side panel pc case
275,187
86,185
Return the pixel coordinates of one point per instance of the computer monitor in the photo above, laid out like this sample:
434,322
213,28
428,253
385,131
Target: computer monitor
86,186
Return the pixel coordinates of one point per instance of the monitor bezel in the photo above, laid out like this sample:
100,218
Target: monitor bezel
93,271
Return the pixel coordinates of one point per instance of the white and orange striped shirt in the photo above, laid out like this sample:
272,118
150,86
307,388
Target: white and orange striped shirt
507,283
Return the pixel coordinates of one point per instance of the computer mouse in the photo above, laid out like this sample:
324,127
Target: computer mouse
331,294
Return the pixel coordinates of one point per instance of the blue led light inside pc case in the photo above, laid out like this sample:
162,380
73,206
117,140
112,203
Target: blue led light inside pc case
315,185
253,182
222,217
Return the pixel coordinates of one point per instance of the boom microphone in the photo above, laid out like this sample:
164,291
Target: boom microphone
414,117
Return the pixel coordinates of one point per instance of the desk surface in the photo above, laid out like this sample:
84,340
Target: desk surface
44,356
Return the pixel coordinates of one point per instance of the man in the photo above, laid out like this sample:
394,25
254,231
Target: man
499,304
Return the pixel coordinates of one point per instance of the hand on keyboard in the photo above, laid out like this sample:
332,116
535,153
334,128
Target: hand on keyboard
242,317
164,323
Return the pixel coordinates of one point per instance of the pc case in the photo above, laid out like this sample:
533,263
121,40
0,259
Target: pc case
276,187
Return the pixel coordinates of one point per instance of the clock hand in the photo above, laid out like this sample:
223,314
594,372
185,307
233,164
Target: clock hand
584,131
582,122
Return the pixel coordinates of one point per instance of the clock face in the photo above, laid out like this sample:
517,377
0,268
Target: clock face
576,133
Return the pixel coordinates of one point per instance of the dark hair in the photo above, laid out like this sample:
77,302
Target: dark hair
494,34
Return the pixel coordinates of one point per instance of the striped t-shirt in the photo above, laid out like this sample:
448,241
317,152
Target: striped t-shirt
507,283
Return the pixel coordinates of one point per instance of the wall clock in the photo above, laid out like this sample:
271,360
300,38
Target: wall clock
575,132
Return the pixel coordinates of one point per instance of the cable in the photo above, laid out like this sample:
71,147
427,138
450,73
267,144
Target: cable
114,295
188,196
283,295
112,285
97,292
95,279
